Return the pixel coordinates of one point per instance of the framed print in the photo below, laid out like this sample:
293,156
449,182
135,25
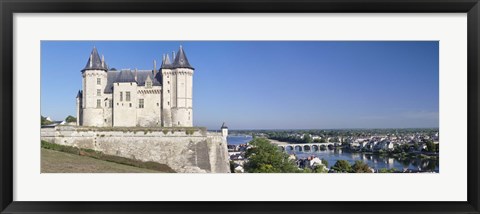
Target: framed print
211,106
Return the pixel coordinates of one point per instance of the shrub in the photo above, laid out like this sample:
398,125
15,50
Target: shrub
361,167
325,162
342,166
385,170
71,119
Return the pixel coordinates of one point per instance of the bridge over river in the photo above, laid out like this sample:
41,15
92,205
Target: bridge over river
309,147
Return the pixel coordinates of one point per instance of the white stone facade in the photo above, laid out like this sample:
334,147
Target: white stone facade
136,98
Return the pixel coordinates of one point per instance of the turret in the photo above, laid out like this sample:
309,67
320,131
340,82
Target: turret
224,130
165,77
79,107
181,88
94,82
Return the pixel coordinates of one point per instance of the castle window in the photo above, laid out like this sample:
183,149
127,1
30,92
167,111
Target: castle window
168,103
99,103
127,96
149,84
157,104
140,103
168,91
168,82
99,81
121,96
99,92
130,104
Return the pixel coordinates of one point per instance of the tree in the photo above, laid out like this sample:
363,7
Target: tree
264,157
431,147
342,166
71,119
333,140
325,162
361,167
385,170
232,166
44,121
320,169
307,138
315,169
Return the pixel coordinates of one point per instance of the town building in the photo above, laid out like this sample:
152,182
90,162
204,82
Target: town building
141,98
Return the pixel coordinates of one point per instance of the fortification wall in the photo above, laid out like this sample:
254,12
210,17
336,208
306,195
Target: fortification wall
183,149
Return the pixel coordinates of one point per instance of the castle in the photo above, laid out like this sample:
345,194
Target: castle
143,98
148,103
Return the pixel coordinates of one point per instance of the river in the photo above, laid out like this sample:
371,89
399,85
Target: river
373,160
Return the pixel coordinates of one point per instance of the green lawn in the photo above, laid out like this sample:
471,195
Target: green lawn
60,162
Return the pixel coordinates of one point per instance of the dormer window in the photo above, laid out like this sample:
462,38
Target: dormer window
148,82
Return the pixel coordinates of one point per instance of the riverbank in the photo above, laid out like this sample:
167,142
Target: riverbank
280,143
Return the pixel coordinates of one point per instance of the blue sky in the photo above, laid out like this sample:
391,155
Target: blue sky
272,85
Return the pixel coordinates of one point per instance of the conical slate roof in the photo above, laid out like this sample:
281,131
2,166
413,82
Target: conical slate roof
224,126
79,94
125,76
181,60
95,62
166,62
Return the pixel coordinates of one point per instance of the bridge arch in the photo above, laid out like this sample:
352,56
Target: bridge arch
307,148
298,148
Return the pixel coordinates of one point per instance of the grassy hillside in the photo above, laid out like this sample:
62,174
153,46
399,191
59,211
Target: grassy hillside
81,152
60,162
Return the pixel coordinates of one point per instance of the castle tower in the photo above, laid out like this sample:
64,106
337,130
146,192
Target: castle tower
224,129
166,79
79,108
94,81
177,89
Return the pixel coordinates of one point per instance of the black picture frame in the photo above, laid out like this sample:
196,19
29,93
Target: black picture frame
9,7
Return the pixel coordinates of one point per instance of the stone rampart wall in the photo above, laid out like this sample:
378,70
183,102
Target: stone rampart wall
183,149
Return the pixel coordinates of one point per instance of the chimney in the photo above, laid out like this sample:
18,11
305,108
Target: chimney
136,74
154,68
103,61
